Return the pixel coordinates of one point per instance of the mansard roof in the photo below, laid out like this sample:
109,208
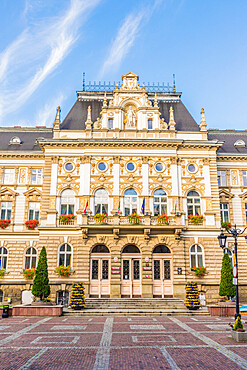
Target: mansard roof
28,137
229,137
76,118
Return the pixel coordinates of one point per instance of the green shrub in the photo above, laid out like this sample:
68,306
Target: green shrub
238,324
226,285
41,287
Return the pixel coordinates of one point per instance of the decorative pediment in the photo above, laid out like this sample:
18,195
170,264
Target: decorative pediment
130,82
33,194
225,194
244,195
7,194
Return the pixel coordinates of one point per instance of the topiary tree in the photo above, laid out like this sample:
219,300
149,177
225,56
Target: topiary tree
41,287
226,285
77,299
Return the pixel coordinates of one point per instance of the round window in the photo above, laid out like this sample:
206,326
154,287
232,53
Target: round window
130,166
191,168
69,166
102,166
159,167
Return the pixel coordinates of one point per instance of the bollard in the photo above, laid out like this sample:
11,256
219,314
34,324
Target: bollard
5,313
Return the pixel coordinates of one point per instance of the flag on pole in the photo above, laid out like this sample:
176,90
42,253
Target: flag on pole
85,209
143,207
175,211
118,210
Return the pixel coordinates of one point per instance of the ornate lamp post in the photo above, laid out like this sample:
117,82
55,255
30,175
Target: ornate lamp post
234,232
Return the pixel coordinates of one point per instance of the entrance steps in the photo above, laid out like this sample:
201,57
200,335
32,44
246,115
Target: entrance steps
135,307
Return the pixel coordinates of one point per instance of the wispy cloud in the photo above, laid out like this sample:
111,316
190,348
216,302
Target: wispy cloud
37,52
126,37
46,115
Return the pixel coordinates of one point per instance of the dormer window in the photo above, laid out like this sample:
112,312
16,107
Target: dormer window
110,123
39,138
150,124
239,143
15,140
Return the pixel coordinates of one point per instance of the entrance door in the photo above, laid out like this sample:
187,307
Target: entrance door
162,277
131,277
100,276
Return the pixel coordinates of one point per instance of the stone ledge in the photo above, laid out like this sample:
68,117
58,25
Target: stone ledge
221,310
28,310
239,336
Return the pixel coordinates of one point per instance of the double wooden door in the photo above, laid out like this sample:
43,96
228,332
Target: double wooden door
131,277
100,276
162,277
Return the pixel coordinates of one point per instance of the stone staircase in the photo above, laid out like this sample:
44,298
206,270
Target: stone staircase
135,307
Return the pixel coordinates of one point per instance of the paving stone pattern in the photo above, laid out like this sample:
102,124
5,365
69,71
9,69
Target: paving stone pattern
119,343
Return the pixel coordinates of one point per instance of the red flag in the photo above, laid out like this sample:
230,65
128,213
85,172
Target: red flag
85,209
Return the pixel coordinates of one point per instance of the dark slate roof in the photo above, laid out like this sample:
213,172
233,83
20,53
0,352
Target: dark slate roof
28,138
184,120
76,118
229,137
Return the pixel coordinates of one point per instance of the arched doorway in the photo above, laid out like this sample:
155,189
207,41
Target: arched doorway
99,271
131,272
162,272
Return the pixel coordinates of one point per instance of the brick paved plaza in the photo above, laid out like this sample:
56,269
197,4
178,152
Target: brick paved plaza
119,343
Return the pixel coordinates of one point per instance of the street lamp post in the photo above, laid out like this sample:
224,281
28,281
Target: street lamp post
234,232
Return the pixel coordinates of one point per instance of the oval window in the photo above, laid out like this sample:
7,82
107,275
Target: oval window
69,166
102,166
159,167
191,168
130,166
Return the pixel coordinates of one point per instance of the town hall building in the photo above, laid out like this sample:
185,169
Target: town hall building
128,190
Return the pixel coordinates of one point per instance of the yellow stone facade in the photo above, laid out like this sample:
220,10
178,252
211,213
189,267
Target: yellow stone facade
167,153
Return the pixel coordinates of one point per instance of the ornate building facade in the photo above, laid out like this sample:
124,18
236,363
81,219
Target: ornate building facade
146,189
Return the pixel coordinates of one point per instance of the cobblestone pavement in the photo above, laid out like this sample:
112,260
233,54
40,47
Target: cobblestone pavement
120,343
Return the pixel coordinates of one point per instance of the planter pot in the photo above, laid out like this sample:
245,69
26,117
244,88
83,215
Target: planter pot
221,310
239,336
228,304
193,308
40,303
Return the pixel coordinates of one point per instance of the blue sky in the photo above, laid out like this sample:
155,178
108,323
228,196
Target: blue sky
46,45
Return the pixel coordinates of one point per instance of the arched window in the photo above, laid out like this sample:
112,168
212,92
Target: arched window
63,297
161,249
160,202
131,249
67,202
100,248
101,201
130,202
196,256
1,296
3,258
65,252
193,203
30,258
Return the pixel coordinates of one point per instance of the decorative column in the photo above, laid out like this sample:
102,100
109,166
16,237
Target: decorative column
116,182
52,211
145,183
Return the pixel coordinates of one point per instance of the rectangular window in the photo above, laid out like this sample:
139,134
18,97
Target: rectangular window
34,208
224,212
244,173
221,178
150,124
9,176
110,123
6,210
36,176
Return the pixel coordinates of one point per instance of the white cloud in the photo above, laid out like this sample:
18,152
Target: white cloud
37,52
46,115
126,37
